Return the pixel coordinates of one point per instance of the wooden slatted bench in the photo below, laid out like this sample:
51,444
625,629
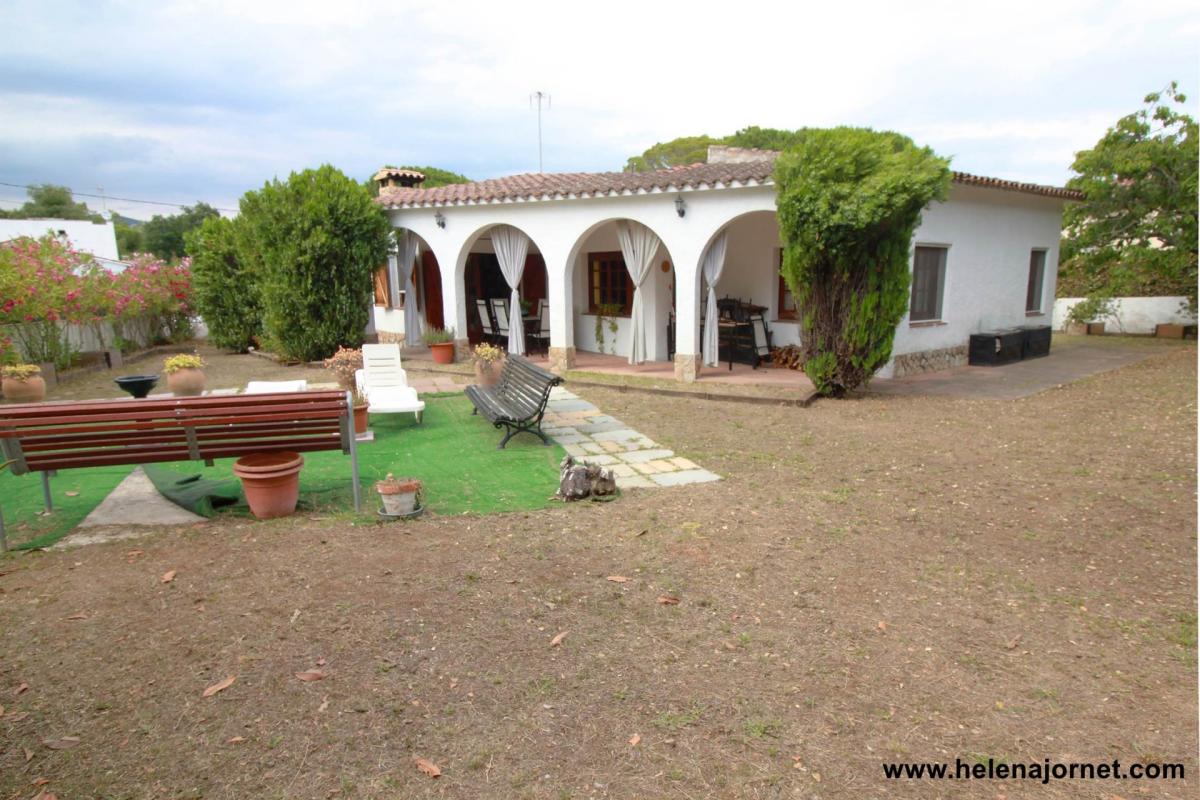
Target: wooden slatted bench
518,401
47,437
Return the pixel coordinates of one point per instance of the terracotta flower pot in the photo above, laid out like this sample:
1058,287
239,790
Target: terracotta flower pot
487,373
1095,329
360,419
271,482
27,390
398,495
186,382
443,352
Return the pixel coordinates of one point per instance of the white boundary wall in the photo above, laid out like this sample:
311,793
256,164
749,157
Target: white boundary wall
1134,314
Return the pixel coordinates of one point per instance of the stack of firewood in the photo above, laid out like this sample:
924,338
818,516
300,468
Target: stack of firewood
790,357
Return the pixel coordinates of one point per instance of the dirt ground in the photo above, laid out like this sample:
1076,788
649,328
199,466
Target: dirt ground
878,579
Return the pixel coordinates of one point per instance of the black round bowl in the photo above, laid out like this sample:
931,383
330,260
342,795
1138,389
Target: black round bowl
138,385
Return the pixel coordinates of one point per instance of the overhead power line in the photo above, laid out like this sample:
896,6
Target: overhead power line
111,197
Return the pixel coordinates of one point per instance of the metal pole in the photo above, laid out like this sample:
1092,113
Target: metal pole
46,491
3,538
353,453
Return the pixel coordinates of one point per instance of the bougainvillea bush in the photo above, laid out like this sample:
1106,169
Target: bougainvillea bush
46,287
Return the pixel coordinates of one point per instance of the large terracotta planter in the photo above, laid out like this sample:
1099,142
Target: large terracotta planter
28,390
1168,331
360,419
1095,329
443,352
487,373
186,382
271,482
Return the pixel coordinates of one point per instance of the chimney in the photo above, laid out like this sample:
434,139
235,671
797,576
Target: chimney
394,178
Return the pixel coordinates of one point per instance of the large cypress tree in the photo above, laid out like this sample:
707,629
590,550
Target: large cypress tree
849,201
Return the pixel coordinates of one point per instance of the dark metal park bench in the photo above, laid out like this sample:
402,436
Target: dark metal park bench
518,401
47,437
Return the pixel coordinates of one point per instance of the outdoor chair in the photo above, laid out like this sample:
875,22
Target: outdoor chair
385,383
501,319
272,387
762,338
485,319
542,335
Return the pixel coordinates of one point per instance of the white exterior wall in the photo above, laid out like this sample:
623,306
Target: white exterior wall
99,239
1134,314
990,233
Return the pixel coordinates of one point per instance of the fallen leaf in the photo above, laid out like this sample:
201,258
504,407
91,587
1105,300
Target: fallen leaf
320,662
882,626
1013,642
46,796
428,767
80,615
41,781
24,687
311,675
71,494
617,579
633,740
62,743
236,740
324,704
28,754
668,600
168,576
817,777
17,717
133,553
219,687
1,711
557,640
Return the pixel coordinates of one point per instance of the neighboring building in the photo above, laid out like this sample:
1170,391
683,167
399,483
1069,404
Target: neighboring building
97,238
985,258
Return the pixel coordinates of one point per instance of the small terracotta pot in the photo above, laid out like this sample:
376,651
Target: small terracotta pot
186,382
443,352
28,390
398,495
488,373
271,482
360,419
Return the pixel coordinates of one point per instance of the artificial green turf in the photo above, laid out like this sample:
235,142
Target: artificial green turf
452,452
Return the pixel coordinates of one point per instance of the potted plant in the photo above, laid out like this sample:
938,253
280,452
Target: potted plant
360,413
271,482
184,375
343,364
489,360
23,383
400,496
1088,315
441,343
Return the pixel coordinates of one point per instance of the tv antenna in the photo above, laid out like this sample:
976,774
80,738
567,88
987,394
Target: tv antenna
539,96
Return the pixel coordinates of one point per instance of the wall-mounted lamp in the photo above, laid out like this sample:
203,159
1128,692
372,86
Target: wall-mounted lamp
440,219
680,206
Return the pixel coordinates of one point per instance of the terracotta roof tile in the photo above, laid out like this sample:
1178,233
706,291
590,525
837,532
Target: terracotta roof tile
573,185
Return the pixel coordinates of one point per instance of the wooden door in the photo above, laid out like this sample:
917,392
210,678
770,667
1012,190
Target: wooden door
431,278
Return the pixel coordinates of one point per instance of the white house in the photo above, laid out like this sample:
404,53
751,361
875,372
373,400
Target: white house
985,258
97,238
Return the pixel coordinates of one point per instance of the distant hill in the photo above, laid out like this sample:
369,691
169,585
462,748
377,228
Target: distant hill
121,219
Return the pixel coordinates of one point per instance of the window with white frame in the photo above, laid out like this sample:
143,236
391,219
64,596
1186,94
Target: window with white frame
1037,278
928,283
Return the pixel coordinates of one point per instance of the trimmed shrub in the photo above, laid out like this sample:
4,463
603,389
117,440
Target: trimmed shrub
225,286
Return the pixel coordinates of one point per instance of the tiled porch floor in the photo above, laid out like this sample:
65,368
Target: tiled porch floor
741,374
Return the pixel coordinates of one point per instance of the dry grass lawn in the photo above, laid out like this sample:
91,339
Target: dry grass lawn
877,579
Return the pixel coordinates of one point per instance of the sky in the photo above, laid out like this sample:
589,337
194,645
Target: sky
177,101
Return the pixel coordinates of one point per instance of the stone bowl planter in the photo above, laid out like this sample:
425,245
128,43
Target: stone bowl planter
24,390
400,496
137,385
271,482
186,382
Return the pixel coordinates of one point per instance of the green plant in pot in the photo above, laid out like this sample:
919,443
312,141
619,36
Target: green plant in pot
23,383
360,412
185,376
606,317
441,343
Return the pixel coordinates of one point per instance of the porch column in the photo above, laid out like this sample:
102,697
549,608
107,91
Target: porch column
687,316
562,309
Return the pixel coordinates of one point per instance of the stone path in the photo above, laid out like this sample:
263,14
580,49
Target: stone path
590,435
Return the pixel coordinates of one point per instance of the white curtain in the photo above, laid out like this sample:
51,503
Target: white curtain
409,248
638,246
714,263
511,246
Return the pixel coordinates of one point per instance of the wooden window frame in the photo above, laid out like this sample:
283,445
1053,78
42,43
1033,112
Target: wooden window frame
1035,289
382,281
938,312
609,257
